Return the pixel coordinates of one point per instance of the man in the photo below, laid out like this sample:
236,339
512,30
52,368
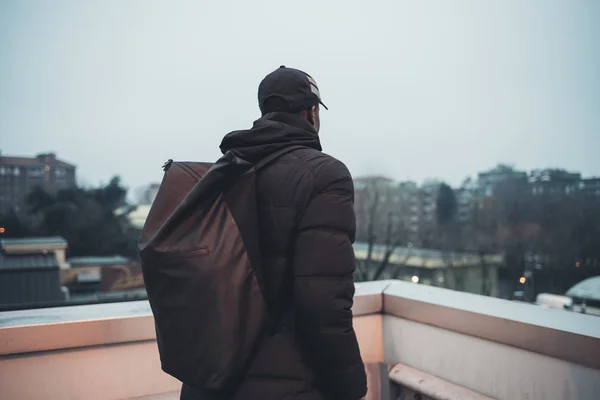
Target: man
307,226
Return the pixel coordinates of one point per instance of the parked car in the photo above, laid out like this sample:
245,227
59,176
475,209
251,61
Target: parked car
583,297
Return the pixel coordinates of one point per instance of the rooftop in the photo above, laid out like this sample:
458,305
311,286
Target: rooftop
137,217
98,260
33,240
39,160
417,341
426,258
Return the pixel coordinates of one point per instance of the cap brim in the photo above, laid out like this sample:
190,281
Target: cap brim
324,106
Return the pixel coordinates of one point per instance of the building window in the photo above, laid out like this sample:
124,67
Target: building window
35,172
60,172
3,171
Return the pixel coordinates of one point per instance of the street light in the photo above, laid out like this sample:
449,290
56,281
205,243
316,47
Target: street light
415,279
522,280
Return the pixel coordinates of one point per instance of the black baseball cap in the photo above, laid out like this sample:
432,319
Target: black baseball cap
295,89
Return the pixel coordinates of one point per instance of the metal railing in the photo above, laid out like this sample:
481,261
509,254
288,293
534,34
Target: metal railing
417,385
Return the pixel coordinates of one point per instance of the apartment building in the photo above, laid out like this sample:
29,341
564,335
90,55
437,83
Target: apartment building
19,175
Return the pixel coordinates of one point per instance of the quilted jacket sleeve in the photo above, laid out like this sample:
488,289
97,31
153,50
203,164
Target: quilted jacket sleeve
324,263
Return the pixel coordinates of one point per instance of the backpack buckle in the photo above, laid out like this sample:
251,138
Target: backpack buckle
166,165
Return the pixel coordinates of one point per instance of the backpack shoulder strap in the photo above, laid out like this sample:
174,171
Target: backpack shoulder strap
273,156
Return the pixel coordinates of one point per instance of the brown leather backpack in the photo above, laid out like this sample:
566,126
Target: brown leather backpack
201,263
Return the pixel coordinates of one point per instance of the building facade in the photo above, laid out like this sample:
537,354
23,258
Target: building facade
396,212
20,175
411,210
374,204
590,186
554,182
490,180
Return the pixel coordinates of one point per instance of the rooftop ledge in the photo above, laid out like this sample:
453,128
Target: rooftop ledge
440,343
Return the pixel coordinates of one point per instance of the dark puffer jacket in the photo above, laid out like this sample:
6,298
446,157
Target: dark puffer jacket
307,226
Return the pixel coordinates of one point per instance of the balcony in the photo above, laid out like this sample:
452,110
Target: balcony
418,342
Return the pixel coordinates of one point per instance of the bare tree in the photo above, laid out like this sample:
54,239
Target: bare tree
450,243
383,229
478,238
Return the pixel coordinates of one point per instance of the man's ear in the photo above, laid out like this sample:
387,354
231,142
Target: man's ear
313,114
309,115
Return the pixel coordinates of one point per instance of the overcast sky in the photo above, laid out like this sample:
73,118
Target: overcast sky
416,89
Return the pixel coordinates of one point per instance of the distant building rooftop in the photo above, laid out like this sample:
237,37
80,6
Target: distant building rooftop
39,160
502,172
34,240
379,181
137,218
425,258
109,260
